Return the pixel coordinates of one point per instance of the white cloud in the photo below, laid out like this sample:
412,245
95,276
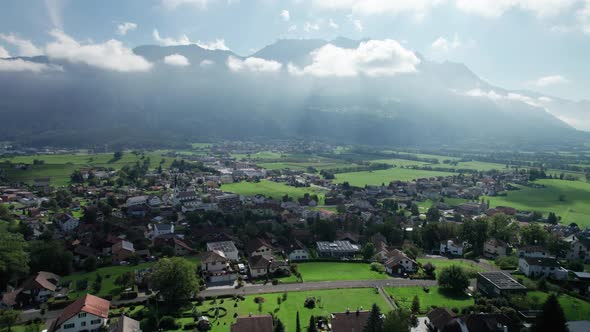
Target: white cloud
550,80
358,25
285,15
372,58
123,28
292,28
496,8
4,53
25,47
509,97
218,44
253,64
443,45
182,40
20,65
110,55
583,18
544,99
206,63
333,24
173,4
176,60
309,27
54,10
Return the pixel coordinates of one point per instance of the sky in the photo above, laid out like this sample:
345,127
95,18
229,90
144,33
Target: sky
538,45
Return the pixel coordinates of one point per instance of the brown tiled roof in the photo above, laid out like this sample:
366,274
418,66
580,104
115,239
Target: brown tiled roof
261,323
440,317
213,256
349,321
42,280
256,243
395,256
89,304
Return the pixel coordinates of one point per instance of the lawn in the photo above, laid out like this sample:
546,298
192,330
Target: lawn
574,308
360,179
24,328
337,300
575,207
332,271
109,275
60,167
271,189
440,263
302,166
434,297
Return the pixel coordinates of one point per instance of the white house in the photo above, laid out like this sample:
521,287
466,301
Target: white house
260,265
89,313
452,247
66,222
161,229
400,263
532,251
542,267
137,200
258,247
228,248
495,248
578,250
214,261
297,251
41,287
154,201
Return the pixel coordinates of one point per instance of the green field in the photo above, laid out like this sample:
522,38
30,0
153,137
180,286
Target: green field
440,263
109,275
360,179
271,189
302,166
337,300
332,271
574,308
403,297
60,167
575,207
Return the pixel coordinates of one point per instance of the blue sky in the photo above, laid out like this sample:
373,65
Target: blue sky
540,45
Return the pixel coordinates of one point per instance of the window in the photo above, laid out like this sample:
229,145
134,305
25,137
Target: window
83,324
95,321
69,326
81,315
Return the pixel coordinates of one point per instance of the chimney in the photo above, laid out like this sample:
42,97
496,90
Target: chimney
505,328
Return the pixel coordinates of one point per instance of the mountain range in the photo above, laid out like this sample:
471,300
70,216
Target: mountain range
342,91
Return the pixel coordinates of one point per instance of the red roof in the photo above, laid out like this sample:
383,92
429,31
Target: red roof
89,304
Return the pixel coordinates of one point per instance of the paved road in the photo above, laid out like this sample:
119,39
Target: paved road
269,288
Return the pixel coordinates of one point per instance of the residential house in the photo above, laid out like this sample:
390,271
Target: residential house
258,247
399,263
542,267
161,229
497,283
495,248
122,251
38,288
89,313
349,321
439,318
296,251
137,200
261,265
579,249
228,248
452,247
337,249
482,323
124,324
180,247
532,251
262,323
216,268
66,222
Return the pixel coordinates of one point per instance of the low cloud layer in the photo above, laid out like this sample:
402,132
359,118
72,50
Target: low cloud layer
176,60
20,65
24,46
254,65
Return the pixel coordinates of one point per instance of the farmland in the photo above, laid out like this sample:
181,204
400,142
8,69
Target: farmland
575,206
270,189
360,179
326,271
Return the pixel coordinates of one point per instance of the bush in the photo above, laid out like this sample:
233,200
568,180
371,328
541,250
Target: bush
259,299
189,326
454,278
377,267
275,282
507,262
309,303
168,323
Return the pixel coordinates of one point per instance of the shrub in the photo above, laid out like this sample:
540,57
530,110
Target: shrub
310,302
275,282
259,299
189,326
168,323
377,267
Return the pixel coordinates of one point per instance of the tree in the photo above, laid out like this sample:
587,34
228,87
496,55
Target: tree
552,218
175,278
453,278
415,305
312,326
556,246
374,322
414,209
552,317
368,251
14,259
50,256
117,155
77,177
9,318
297,323
475,233
533,234
125,280
397,321
279,326
89,264
433,214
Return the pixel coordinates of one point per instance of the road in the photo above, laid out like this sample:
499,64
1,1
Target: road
307,286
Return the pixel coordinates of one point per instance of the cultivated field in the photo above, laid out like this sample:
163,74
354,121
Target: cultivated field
360,179
271,189
332,271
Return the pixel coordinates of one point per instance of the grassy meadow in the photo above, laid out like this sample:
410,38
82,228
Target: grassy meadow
574,308
271,189
333,271
360,179
435,296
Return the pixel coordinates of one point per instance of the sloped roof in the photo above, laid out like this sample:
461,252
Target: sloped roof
42,280
255,244
440,317
349,321
262,323
89,304
213,256
125,324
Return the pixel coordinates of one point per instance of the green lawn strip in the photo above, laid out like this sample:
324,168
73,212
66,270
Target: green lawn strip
24,328
441,263
335,300
360,179
109,275
574,308
435,296
303,166
574,208
271,189
332,271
